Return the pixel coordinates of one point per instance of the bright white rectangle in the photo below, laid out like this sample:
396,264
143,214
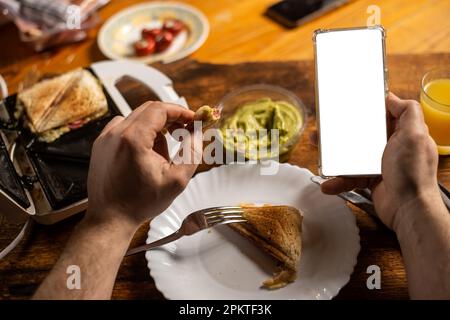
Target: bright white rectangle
351,101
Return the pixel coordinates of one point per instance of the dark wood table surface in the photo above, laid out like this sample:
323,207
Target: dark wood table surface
201,83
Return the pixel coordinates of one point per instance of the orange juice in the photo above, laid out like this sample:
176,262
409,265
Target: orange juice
435,101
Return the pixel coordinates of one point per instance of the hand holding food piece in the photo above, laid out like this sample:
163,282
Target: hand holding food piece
131,177
240,131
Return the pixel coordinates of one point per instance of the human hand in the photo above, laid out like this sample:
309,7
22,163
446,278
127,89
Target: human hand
409,166
131,178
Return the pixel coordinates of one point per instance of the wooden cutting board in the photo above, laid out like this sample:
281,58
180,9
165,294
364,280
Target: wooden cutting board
200,83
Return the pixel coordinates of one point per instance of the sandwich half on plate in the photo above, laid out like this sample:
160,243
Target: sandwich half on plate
58,105
276,230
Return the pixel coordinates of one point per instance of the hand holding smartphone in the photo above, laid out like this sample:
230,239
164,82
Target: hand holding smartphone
351,87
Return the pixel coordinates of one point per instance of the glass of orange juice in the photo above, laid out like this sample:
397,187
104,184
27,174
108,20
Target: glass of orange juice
435,101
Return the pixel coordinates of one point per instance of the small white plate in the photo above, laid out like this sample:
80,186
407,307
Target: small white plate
220,264
117,35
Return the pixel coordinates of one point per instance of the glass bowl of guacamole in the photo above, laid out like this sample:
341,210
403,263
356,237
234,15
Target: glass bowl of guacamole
261,122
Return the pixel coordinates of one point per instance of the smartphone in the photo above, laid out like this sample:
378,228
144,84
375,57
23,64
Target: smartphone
292,13
351,88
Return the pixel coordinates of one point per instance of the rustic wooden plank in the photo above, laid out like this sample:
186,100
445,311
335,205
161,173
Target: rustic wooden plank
201,83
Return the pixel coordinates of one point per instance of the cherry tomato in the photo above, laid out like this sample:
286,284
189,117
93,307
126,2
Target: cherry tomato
174,26
163,41
144,47
151,33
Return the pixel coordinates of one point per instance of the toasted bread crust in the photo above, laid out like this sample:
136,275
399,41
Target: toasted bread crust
277,231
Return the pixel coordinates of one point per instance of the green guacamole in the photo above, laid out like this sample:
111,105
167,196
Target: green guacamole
242,131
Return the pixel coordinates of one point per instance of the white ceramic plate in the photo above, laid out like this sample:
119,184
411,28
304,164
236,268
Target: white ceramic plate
220,264
117,35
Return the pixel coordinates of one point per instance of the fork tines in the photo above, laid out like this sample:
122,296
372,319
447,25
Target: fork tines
224,215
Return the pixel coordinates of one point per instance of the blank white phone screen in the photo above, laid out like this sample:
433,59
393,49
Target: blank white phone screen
351,101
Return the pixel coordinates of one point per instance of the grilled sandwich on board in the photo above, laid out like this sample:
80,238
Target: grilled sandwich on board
58,105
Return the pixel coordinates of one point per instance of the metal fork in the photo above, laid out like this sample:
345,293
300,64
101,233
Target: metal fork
195,222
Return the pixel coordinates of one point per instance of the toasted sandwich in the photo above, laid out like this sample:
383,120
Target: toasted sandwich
276,230
55,106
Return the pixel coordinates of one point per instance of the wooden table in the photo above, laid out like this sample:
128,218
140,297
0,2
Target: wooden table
24,269
413,26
